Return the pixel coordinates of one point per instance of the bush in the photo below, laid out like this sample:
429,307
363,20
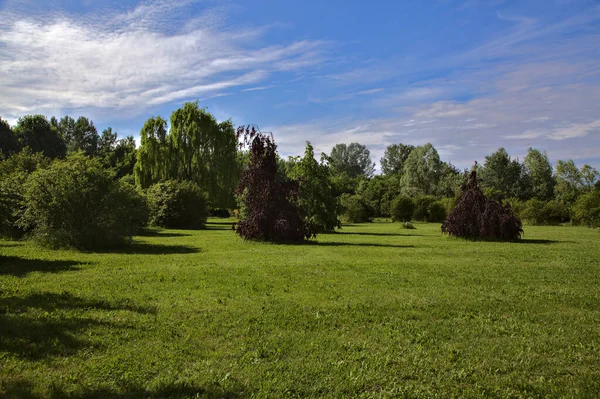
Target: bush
402,209
177,205
437,212
422,204
539,213
355,208
77,203
586,210
14,172
476,216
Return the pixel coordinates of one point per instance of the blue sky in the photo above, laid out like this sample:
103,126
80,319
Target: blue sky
469,76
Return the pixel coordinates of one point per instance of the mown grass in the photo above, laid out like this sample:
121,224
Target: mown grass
374,311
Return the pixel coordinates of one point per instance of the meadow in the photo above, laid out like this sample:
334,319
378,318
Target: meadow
372,311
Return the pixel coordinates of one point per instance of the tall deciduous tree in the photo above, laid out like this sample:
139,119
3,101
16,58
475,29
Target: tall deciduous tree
78,135
394,158
197,149
8,140
352,160
538,170
422,171
36,132
502,174
568,182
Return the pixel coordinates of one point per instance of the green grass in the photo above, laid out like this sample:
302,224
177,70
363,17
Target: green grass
375,311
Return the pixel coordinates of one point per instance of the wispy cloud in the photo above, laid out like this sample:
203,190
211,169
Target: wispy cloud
129,60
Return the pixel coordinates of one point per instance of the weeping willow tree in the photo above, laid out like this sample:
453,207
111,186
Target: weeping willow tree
197,148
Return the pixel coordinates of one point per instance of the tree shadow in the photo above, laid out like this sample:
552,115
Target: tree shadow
533,241
142,248
219,227
161,233
344,244
221,223
23,389
29,329
358,233
21,267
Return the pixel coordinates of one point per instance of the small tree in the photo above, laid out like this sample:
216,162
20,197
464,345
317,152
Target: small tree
402,209
77,203
316,199
270,210
177,205
476,216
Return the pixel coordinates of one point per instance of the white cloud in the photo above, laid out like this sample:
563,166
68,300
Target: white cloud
127,60
576,130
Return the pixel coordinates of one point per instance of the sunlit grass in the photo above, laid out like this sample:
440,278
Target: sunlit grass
374,311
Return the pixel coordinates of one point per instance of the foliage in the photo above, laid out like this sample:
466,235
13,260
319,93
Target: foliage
219,213
270,210
586,210
538,170
402,209
422,171
395,156
379,192
568,182
8,140
436,212
422,204
197,149
353,160
539,213
476,216
14,172
78,135
316,199
502,174
177,205
355,209
77,203
35,132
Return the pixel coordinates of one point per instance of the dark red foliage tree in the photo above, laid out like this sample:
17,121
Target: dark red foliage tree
476,216
271,213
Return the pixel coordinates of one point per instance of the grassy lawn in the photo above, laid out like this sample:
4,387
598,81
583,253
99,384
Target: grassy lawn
374,311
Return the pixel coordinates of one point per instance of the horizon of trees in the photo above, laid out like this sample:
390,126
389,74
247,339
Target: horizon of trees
194,147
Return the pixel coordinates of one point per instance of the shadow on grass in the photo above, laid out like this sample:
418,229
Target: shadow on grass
378,234
356,244
342,244
142,248
218,227
24,389
161,233
532,241
21,267
221,223
47,324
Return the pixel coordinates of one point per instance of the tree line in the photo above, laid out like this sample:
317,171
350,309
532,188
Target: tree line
55,172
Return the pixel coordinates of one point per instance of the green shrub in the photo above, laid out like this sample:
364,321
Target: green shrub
422,205
586,210
177,205
539,213
355,208
408,226
402,209
14,172
437,212
77,203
